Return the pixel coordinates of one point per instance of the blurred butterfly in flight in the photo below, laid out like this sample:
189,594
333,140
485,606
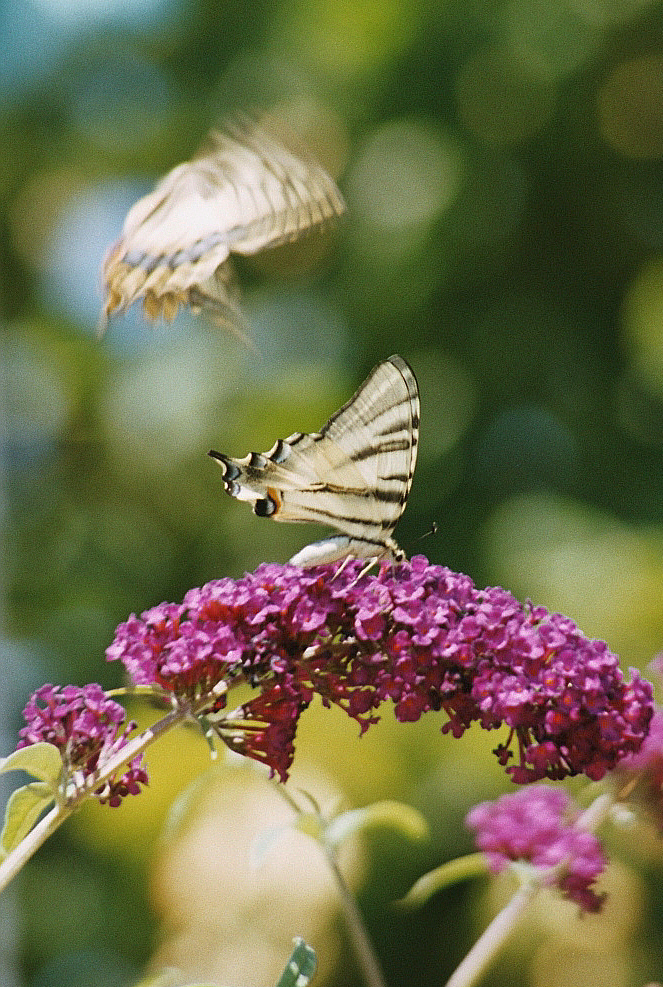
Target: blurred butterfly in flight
354,474
242,193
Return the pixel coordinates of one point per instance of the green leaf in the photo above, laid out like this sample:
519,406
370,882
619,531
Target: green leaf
394,815
42,761
23,810
454,871
301,966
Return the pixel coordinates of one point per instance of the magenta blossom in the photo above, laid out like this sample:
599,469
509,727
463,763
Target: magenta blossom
538,826
418,635
85,725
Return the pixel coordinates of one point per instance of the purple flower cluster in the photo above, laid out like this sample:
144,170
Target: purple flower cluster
83,724
538,826
416,634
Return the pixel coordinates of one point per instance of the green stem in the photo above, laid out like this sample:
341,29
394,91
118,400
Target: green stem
492,939
361,942
29,845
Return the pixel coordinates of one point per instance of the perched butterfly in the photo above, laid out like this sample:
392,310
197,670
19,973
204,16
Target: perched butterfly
354,474
242,193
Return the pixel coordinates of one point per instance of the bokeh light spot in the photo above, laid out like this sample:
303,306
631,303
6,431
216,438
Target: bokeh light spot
345,37
549,38
61,226
630,107
406,175
643,324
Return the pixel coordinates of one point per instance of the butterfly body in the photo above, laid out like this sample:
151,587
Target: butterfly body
354,474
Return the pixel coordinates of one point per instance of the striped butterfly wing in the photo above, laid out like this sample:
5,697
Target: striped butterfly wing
354,475
244,192
378,429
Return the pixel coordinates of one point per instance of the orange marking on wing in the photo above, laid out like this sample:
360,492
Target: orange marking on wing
276,497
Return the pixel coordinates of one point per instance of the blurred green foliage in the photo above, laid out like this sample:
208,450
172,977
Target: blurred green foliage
503,167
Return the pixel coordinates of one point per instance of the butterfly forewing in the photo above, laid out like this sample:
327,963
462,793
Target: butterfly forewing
379,429
243,192
354,475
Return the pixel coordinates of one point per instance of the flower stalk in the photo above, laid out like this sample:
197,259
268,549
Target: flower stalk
493,938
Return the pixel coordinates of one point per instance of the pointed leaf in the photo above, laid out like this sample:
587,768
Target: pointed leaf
301,966
394,815
454,871
42,761
23,810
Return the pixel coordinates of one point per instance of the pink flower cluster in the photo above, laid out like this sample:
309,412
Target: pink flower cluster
416,634
85,725
538,826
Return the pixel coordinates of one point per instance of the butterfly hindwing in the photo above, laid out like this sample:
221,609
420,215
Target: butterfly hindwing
354,475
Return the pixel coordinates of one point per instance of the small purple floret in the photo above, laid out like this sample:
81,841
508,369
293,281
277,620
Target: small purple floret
537,826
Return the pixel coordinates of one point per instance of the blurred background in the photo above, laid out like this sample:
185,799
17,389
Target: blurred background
503,168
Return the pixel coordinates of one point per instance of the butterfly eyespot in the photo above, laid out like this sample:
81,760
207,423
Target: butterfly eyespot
270,505
266,507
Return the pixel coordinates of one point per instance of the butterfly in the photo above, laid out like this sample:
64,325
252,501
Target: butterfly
354,474
243,192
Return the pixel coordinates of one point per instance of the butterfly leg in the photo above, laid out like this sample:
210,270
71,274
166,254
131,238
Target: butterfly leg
367,568
348,558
